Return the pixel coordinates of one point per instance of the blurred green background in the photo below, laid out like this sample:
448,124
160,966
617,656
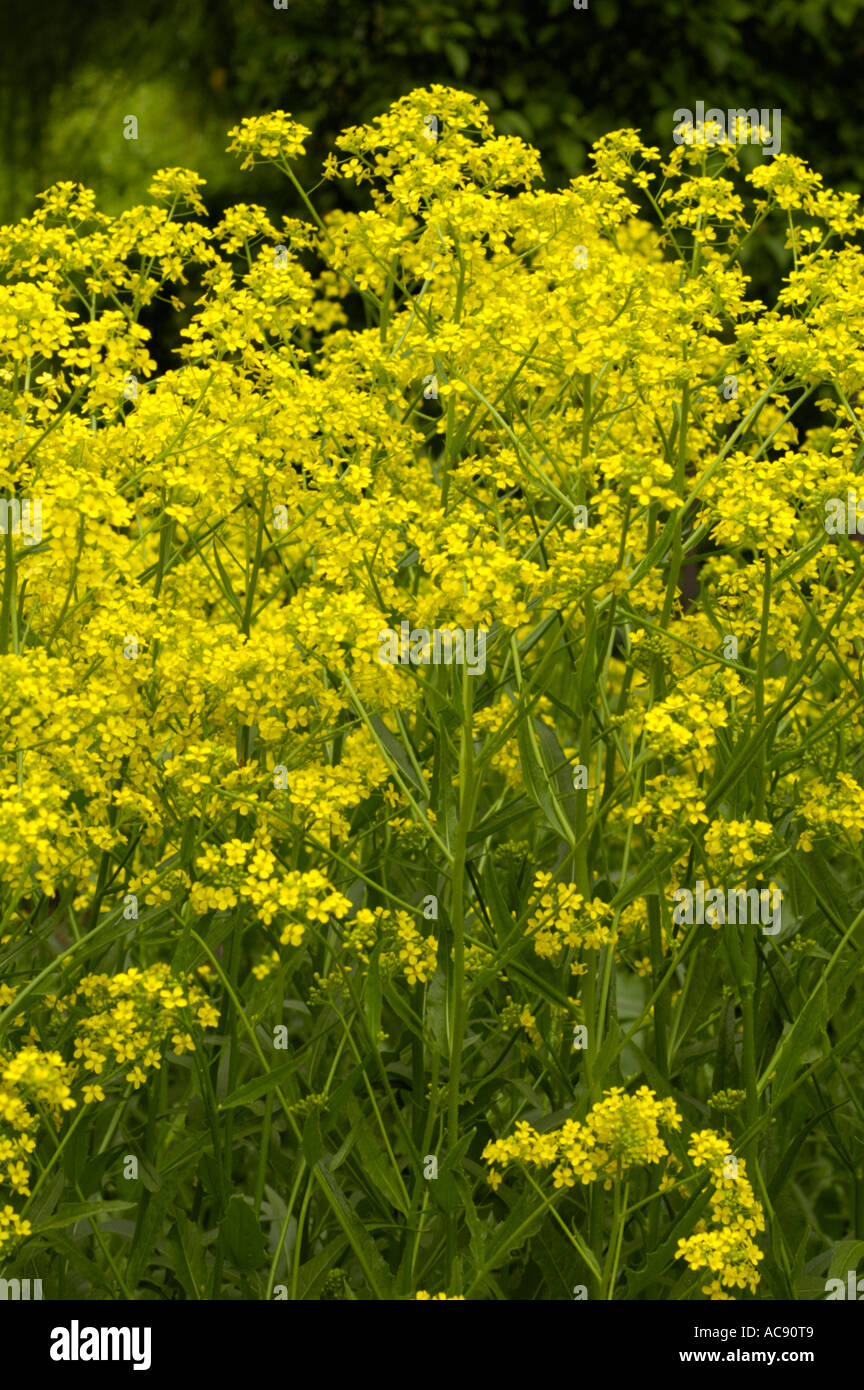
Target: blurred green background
558,76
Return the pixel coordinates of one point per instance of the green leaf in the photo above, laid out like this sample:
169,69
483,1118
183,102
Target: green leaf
152,1211
227,587
662,1260
345,1089
791,1051
377,1164
372,1264
47,1199
242,1236
392,745
435,1014
540,768
560,772
496,904
259,1086
847,1255
312,1143
700,987
187,1239
443,793
445,1189
312,1275
148,1174
523,1221
68,1214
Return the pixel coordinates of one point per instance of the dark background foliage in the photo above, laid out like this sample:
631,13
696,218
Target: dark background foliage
557,76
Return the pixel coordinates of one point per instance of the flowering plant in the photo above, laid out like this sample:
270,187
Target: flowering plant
230,831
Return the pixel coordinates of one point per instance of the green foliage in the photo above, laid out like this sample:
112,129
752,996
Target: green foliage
558,77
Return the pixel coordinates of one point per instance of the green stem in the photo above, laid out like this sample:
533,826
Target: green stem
457,904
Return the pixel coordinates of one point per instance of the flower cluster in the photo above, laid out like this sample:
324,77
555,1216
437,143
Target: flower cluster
564,919
726,1247
123,1023
621,1131
267,139
241,871
134,1016
29,1078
